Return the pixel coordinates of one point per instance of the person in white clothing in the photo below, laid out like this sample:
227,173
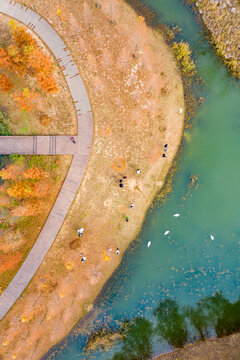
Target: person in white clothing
80,231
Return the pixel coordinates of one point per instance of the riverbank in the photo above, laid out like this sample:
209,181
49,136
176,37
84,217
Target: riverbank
136,94
214,349
222,21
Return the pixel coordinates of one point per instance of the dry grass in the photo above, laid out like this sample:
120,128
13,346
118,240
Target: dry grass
222,20
136,104
227,348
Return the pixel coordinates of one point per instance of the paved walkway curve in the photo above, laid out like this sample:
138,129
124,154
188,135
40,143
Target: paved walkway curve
49,145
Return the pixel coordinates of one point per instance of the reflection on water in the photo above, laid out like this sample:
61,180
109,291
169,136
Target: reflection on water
180,324
137,341
186,265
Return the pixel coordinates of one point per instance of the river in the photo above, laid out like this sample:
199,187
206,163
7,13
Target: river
186,264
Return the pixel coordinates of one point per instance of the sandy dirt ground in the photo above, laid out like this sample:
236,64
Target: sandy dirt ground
222,21
136,94
227,348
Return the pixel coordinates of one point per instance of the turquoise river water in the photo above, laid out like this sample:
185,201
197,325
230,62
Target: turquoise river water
185,265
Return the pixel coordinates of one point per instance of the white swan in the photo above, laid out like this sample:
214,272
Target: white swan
176,215
166,232
212,237
149,244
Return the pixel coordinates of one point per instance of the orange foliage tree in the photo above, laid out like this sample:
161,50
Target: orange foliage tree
25,99
25,53
5,59
11,172
47,84
27,189
20,190
29,185
21,37
25,56
18,63
5,84
35,173
43,69
26,183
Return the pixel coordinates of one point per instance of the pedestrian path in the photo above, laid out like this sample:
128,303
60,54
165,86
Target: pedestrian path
49,145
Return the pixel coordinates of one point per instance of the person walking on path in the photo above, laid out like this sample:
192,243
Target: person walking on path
80,231
73,140
131,206
83,259
117,251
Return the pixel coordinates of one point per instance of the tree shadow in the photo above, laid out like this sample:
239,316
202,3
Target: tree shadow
137,341
178,325
171,323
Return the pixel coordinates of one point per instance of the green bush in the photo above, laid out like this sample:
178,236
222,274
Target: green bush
4,128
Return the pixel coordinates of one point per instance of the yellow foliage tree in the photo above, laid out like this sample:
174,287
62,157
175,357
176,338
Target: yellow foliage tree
21,190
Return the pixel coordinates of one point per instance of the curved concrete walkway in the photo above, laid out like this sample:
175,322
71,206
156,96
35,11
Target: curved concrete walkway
49,145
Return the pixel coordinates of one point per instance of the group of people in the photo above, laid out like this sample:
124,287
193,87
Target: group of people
165,149
121,184
81,230
84,258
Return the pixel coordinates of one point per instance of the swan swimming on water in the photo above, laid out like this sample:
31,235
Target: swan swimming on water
212,237
176,215
166,232
149,244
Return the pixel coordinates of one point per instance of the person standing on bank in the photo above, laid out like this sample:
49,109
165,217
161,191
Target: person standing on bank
80,231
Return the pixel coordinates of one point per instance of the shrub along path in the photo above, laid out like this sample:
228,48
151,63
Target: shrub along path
49,145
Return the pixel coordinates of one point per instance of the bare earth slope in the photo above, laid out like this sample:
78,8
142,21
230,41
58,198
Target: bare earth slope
227,348
136,103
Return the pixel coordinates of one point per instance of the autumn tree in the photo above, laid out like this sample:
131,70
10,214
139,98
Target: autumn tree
26,55
10,172
47,84
20,190
25,183
35,173
5,59
27,189
43,69
25,99
38,61
41,189
5,84
20,35
18,62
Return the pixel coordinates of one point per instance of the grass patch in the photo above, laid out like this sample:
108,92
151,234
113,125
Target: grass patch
4,128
